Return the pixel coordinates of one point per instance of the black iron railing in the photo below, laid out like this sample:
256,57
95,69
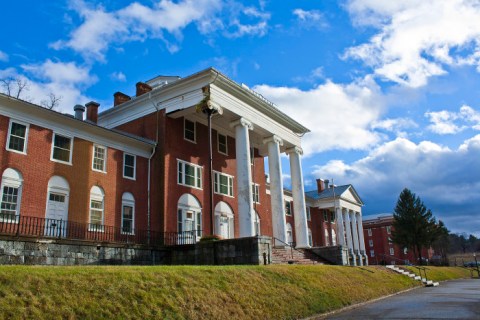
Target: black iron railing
19,225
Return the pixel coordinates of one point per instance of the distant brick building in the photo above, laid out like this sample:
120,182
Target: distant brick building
379,245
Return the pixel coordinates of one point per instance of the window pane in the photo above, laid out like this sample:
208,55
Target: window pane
127,222
61,148
99,158
129,166
189,132
222,143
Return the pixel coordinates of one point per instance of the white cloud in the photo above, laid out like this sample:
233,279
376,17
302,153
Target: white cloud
447,180
417,39
119,76
339,116
3,56
64,79
310,18
164,20
450,122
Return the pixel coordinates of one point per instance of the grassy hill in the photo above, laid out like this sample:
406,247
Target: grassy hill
192,292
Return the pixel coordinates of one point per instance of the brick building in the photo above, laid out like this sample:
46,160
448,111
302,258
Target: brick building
143,165
379,245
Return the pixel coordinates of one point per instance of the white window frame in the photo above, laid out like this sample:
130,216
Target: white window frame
27,127
196,178
369,232
104,169
216,185
256,192
372,253
287,212
12,183
98,198
53,148
389,229
128,201
125,154
370,243
392,251
194,130
226,143
310,238
308,213
327,237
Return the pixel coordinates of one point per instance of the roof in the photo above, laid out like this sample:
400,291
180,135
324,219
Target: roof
336,191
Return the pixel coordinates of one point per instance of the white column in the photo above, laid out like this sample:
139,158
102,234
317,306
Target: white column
276,187
299,207
340,228
349,237
361,237
246,213
356,247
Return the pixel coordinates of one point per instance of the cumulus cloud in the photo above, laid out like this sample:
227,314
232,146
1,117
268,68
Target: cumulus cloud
447,180
417,39
3,56
66,80
164,20
451,122
396,125
119,76
339,115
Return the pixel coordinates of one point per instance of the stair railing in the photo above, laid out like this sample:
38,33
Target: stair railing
420,268
291,245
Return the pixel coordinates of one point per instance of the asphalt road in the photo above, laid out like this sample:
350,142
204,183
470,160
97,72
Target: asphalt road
459,299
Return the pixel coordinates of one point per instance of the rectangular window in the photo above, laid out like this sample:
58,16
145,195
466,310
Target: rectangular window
180,220
222,144
96,215
325,215
189,130
99,158
370,243
223,184
9,205
129,163
189,174
372,253
309,216
62,148
127,219
392,252
369,232
389,229
17,137
256,192
332,217
252,156
288,208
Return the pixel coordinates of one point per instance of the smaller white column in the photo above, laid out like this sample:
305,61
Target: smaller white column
246,212
356,245
361,237
298,193
340,227
349,237
276,188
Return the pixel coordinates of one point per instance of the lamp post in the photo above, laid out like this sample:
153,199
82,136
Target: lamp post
210,108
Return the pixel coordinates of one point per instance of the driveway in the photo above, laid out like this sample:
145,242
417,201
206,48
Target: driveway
458,299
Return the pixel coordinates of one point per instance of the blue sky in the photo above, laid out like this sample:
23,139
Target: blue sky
390,89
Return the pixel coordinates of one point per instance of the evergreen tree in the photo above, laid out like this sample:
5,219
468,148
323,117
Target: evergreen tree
414,225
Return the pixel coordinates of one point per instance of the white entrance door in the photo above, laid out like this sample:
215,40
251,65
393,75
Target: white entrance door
224,227
57,215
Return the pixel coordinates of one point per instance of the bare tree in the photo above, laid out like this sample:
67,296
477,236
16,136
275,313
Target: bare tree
52,102
14,87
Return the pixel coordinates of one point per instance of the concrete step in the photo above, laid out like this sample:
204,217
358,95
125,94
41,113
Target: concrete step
418,278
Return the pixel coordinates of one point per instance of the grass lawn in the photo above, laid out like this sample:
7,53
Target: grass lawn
190,292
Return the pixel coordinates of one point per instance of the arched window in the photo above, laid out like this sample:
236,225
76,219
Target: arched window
327,238
334,238
12,182
310,239
289,233
257,224
56,216
224,223
97,202
189,218
128,213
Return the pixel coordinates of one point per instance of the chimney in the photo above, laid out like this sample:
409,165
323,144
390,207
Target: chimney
79,110
92,111
320,185
119,98
142,88
326,183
